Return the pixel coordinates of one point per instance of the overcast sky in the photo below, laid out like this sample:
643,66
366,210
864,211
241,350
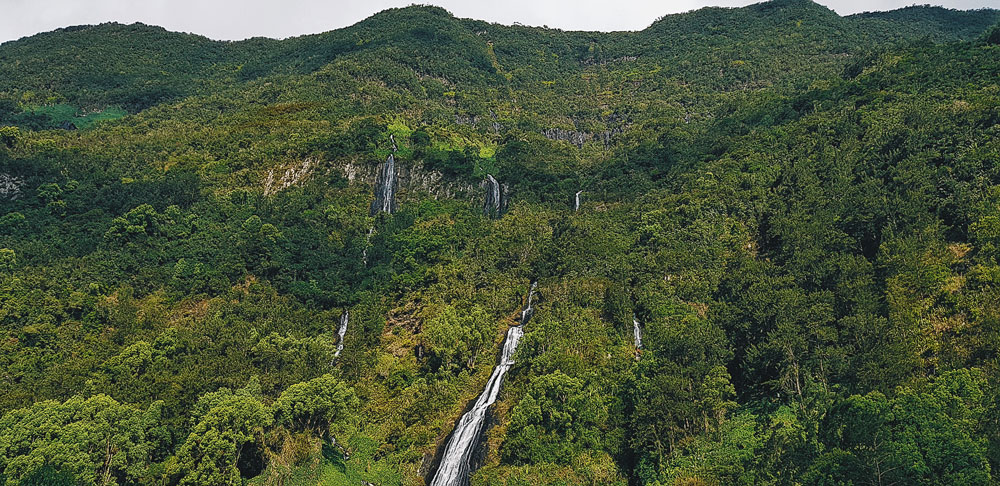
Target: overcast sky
240,19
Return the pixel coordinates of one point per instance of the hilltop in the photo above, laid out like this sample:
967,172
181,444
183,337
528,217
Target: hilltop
137,66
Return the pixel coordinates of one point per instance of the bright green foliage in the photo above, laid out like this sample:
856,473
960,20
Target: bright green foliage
456,338
558,418
800,210
926,436
9,137
316,404
730,456
591,468
230,426
96,441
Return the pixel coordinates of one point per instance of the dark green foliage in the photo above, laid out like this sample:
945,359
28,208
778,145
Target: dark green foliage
992,35
919,437
800,209
558,418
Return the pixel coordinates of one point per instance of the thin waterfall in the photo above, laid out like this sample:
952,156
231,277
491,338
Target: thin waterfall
636,332
497,197
385,188
455,466
637,336
529,308
385,193
491,203
341,331
576,201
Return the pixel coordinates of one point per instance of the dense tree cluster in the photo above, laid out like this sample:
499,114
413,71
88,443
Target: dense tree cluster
800,210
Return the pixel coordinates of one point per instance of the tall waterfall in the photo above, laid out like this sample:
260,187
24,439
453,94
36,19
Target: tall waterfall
491,203
455,468
495,201
576,201
636,332
385,188
341,331
385,193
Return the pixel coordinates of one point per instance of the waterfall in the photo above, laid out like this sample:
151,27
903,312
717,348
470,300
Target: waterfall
385,188
529,309
636,333
341,331
496,199
491,204
385,194
576,201
455,468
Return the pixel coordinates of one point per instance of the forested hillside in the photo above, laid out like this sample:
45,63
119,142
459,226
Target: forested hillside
753,246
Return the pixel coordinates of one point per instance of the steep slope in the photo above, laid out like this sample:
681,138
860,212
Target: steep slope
800,210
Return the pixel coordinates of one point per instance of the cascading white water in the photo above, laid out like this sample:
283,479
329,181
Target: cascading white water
455,467
495,189
341,331
576,202
529,309
636,332
385,188
491,205
385,194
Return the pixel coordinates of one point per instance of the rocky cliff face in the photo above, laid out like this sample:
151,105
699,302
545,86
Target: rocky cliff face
616,124
411,177
289,176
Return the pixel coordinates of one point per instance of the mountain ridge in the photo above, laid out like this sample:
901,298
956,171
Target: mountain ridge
70,60
757,246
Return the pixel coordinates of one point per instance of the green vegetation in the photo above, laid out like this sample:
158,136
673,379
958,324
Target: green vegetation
63,116
802,210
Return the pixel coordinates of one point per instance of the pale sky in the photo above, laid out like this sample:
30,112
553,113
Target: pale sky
240,19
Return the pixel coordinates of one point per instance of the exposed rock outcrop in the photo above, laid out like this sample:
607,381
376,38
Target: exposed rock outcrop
10,186
616,123
410,177
290,176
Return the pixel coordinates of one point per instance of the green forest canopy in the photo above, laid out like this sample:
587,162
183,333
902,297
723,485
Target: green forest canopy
801,209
